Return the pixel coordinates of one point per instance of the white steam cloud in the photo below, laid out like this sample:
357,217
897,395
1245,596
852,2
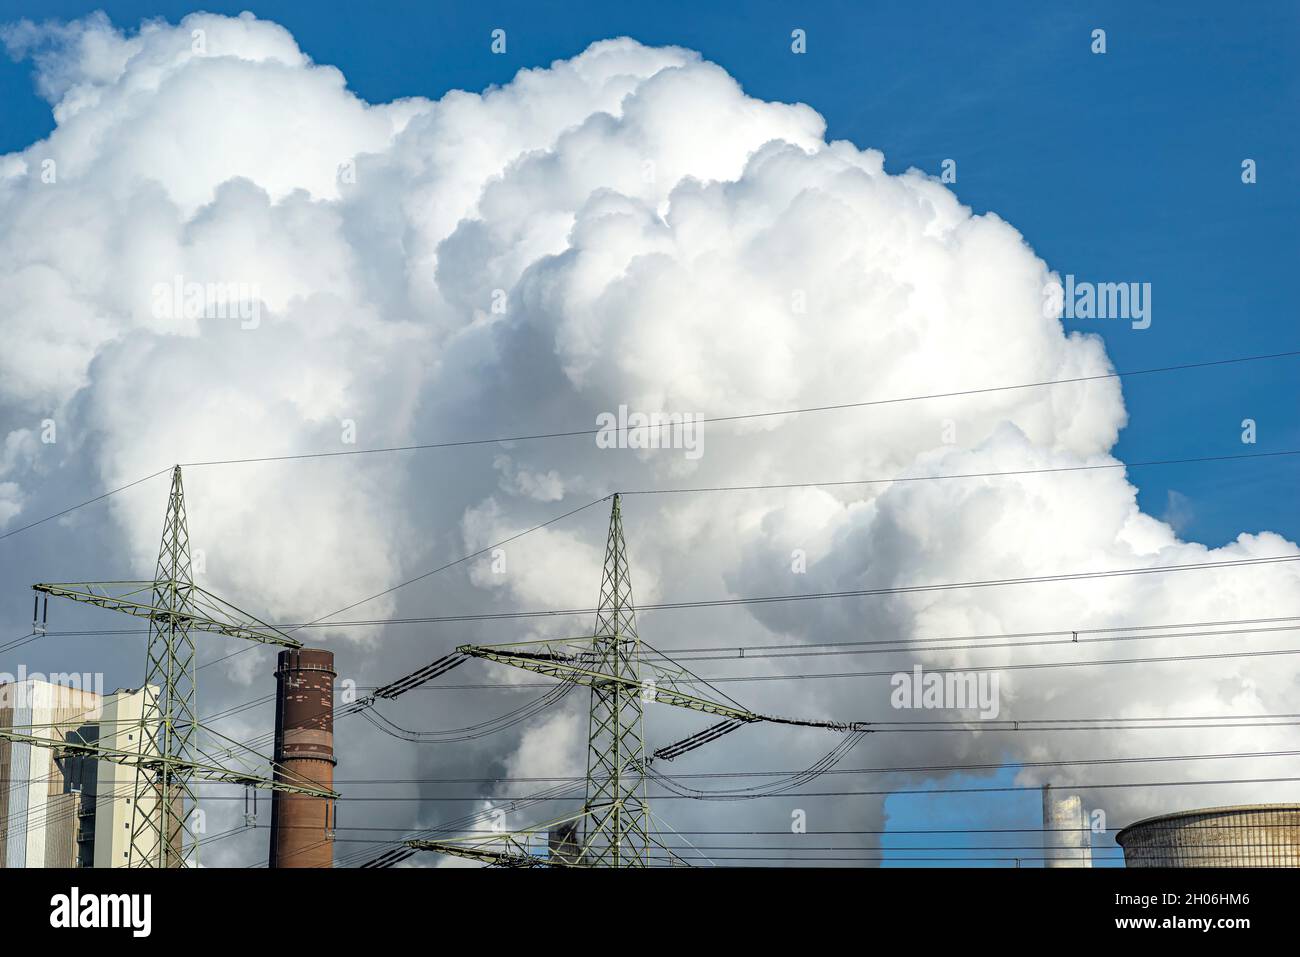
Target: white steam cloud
625,227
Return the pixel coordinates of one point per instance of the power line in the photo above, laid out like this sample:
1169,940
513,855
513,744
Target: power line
945,586
766,599
1023,666
757,652
19,642
323,620
810,596
725,418
997,789
418,578
1210,825
833,483
681,650
569,433
547,794
531,708
963,475
464,558
905,645
1223,623
89,501
919,769
965,669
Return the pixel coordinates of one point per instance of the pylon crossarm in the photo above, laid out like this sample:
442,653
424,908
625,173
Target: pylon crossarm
508,848
562,648
499,858
71,724
152,762
137,598
582,650
546,664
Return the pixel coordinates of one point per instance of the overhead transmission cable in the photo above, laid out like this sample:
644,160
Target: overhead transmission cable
569,433
805,596
724,418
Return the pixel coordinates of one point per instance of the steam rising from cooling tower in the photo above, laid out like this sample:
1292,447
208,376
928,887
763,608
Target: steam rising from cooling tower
1067,840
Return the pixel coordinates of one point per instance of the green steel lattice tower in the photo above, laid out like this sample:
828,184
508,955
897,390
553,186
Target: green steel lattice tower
163,836
616,814
617,819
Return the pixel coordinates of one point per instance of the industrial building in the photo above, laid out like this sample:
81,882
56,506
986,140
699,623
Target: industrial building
120,727
40,795
1248,835
62,811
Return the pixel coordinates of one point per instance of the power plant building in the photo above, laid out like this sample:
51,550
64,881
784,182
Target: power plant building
63,810
60,810
40,794
121,728
1249,835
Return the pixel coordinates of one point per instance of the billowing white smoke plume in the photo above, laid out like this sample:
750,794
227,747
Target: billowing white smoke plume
623,228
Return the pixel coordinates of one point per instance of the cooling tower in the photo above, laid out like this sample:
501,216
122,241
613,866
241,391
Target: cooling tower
1250,835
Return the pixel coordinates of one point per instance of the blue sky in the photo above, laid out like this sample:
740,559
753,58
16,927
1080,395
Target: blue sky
1007,819
1117,167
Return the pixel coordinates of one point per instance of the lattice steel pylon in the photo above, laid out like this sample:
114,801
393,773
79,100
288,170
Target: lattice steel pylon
617,821
161,832
615,816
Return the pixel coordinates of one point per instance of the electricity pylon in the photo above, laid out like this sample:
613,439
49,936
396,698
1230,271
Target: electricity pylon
167,754
169,690
618,819
615,816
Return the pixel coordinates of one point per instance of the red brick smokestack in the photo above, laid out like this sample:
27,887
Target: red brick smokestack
302,827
